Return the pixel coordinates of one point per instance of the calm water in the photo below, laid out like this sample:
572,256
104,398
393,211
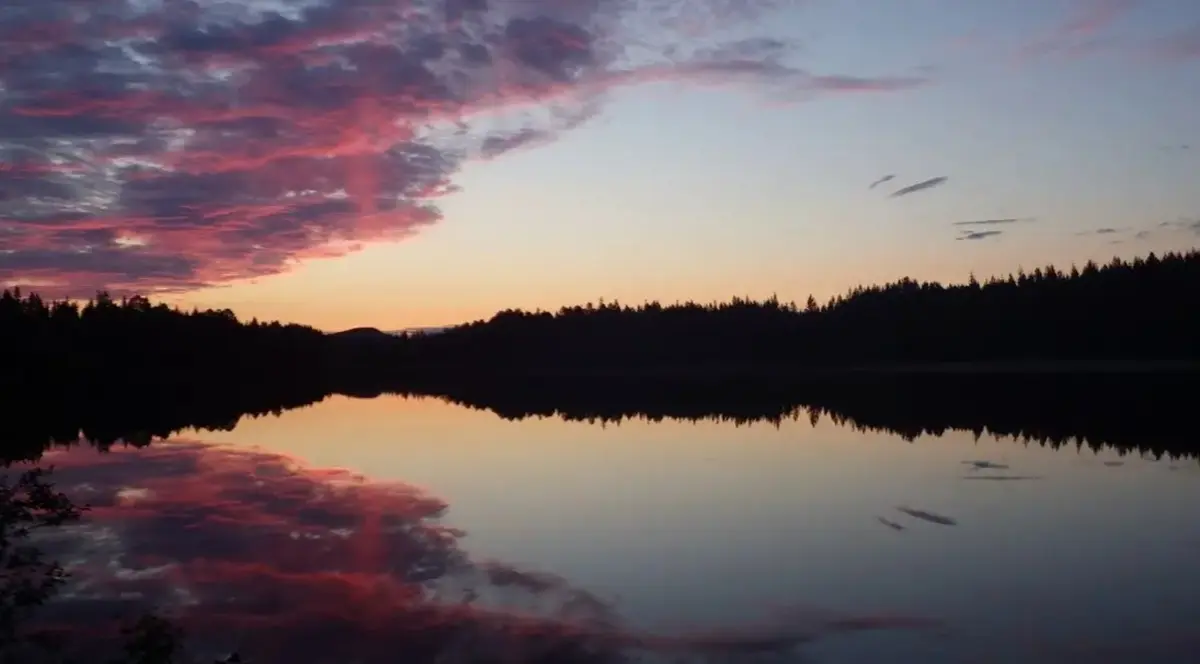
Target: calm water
679,527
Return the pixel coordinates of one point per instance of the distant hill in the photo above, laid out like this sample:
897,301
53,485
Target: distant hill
375,334
362,334
419,330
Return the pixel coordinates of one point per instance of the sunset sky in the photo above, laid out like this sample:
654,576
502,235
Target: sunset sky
402,163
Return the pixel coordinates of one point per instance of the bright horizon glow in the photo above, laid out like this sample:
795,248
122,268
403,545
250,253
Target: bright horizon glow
685,178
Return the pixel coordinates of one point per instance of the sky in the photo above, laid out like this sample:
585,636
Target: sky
408,163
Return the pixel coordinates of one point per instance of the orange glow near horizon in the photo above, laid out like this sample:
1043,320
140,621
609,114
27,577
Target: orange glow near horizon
396,286
401,164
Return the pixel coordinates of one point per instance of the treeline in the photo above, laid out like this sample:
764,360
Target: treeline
1147,308
114,345
132,354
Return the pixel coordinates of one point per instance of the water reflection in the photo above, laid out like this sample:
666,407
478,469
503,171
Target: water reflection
688,537
1140,413
1145,415
1002,478
928,516
252,552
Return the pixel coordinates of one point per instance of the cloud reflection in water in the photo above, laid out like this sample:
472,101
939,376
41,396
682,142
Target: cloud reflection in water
252,551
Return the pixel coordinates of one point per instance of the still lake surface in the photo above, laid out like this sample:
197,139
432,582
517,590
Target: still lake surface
1062,555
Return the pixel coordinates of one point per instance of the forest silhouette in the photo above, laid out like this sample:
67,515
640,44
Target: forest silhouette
101,346
1099,354
1147,309
1144,309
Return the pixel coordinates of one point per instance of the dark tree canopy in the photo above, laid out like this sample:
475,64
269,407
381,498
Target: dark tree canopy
104,345
1148,308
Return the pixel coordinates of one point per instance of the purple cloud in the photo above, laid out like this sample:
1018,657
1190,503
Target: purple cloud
150,147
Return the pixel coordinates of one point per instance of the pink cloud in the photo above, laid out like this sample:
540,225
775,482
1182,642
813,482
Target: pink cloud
151,151
1085,30
1184,45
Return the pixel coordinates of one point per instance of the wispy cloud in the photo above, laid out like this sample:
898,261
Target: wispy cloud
1132,233
920,186
1189,225
887,178
1002,478
1085,29
564,119
978,235
165,146
1183,45
1105,230
994,222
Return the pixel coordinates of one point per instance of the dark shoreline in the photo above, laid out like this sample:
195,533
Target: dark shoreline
791,373
1142,407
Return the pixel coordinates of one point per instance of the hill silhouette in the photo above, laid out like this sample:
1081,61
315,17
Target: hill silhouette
366,334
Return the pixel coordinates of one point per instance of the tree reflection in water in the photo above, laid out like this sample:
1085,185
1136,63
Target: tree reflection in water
253,553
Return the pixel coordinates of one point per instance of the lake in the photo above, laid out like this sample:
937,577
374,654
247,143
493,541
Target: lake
302,533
